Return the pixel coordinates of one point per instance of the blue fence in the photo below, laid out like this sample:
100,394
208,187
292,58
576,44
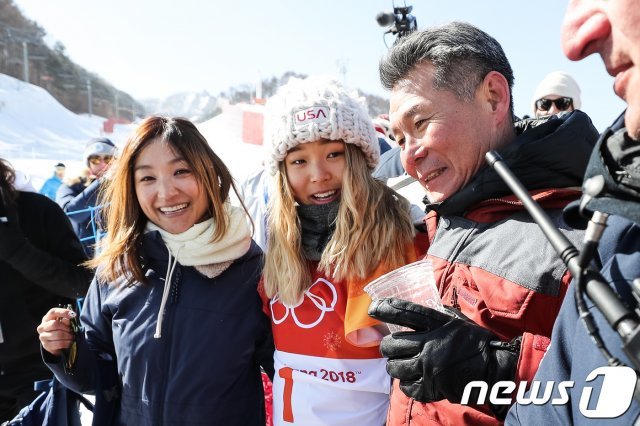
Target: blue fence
96,232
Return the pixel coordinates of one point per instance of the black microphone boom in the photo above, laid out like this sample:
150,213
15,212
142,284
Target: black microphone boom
385,19
401,22
621,319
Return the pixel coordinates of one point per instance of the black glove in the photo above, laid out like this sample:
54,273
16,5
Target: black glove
11,236
446,352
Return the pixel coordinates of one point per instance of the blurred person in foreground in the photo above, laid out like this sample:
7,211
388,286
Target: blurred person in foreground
78,194
610,29
175,301
40,259
556,93
51,185
451,102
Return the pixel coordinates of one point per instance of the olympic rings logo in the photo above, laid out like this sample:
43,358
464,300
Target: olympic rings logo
318,301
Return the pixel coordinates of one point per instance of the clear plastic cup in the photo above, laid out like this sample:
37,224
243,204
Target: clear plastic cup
413,282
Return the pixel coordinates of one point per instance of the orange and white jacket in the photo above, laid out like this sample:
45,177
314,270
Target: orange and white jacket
328,367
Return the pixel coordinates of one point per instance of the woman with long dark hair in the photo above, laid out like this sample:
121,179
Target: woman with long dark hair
175,301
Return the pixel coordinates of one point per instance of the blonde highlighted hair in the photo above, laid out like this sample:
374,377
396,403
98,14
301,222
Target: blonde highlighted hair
373,227
119,254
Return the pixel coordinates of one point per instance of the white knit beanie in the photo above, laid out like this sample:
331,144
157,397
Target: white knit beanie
306,110
560,84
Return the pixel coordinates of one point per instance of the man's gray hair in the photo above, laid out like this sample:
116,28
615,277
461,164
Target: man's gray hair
461,54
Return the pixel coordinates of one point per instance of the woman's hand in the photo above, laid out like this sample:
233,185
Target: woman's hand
55,330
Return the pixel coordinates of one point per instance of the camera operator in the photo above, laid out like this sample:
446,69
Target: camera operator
610,29
401,22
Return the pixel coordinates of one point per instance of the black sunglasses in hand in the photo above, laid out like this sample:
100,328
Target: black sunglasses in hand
562,104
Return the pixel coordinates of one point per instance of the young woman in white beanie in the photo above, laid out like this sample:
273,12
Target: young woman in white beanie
332,229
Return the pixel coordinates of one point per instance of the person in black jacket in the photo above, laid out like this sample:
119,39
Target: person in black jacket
40,266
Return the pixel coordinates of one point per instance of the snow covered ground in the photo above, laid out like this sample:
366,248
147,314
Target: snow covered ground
36,132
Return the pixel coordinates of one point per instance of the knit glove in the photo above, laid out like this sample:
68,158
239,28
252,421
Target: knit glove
11,236
444,354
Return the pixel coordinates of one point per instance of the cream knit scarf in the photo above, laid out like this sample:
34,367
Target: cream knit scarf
194,247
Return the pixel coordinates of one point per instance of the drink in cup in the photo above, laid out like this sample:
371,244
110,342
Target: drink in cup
413,282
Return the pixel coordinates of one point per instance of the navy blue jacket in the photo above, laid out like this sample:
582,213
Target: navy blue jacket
205,369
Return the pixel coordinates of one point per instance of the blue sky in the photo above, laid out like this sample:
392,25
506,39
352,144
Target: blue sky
154,48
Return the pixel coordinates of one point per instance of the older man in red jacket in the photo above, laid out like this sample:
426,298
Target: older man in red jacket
451,103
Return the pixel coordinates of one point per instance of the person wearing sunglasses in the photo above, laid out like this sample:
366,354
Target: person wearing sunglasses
556,93
601,375
77,195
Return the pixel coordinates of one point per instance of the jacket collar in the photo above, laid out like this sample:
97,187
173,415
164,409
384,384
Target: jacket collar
614,174
547,153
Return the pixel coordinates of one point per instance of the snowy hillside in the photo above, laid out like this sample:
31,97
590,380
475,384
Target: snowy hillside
197,107
34,125
36,132
236,136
